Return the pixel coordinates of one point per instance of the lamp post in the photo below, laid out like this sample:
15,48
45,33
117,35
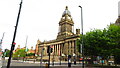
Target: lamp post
82,37
41,57
1,60
13,43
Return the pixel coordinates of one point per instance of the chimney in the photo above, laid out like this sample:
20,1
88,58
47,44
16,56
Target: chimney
31,47
77,31
119,9
18,46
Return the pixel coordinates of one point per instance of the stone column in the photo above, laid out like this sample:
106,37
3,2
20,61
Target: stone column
38,50
55,49
68,48
65,50
62,47
71,48
60,52
45,51
75,47
74,51
59,49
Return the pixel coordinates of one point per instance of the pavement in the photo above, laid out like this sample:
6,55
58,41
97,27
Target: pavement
0,61
47,67
31,64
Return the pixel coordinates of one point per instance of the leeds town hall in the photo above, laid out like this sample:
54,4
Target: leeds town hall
65,42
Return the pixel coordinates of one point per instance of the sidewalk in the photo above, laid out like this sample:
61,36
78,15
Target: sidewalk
42,62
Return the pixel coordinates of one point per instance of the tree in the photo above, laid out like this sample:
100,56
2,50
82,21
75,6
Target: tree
19,53
102,43
6,53
31,54
114,35
96,44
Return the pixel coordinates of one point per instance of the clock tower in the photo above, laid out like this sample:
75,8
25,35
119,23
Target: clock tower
66,25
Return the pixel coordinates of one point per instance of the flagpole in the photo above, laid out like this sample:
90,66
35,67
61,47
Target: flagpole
1,60
1,41
25,48
26,42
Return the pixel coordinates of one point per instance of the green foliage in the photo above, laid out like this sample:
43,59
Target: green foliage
102,43
78,44
6,53
31,54
116,53
19,53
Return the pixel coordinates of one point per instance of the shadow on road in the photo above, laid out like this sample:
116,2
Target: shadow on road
25,67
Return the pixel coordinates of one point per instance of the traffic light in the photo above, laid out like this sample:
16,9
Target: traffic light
48,48
14,43
51,50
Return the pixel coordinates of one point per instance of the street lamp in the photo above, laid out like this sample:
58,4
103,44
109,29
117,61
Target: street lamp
13,43
82,48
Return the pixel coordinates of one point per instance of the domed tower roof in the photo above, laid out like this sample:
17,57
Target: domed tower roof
66,25
66,16
66,12
38,41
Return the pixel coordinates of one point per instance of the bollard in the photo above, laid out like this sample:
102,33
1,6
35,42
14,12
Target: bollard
46,65
69,60
74,60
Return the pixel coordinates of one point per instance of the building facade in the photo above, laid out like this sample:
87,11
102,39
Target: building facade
65,43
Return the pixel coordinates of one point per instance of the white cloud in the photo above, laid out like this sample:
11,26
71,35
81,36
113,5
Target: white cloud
39,18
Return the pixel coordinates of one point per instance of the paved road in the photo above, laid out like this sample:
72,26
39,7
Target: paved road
29,64
0,63
45,67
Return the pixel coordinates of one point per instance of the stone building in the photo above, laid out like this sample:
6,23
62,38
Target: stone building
65,43
118,21
31,50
